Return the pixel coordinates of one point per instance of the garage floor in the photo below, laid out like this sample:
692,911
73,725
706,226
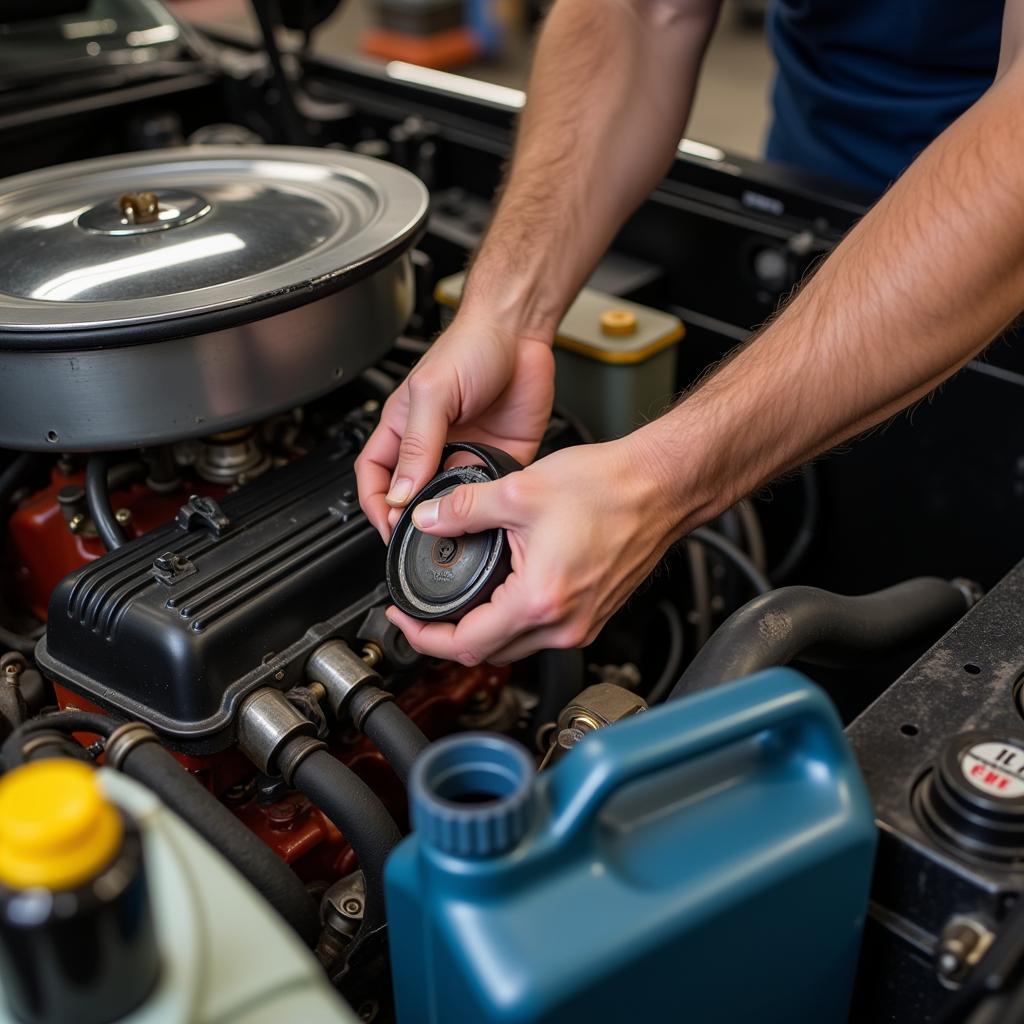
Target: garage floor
732,102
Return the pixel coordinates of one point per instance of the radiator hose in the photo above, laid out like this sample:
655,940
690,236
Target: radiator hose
824,628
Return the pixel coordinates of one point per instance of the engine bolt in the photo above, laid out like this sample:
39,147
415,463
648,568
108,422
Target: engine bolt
76,523
372,654
282,816
352,906
123,516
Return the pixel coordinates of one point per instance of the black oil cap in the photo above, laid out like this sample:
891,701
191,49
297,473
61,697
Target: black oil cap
974,798
443,578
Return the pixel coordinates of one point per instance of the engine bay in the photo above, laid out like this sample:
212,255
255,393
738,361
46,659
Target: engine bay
211,280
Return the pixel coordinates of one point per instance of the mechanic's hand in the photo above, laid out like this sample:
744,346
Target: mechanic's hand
477,382
586,526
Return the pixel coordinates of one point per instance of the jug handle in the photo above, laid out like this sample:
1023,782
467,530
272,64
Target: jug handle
610,759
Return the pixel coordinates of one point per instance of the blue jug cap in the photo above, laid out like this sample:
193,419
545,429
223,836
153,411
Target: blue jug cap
472,795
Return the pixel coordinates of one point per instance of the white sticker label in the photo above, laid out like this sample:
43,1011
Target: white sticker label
995,768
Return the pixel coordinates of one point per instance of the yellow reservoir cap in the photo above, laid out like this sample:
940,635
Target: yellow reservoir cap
618,322
57,829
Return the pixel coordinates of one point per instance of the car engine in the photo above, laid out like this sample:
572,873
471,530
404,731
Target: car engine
231,790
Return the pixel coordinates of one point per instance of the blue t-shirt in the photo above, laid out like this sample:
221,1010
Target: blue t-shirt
864,85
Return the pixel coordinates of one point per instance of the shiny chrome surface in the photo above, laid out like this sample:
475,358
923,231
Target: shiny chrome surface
246,224
341,672
169,390
266,722
261,278
174,208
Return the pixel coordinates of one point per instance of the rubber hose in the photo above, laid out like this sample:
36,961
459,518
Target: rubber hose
351,805
560,677
52,745
11,641
700,585
97,500
157,770
676,650
393,732
823,628
753,533
125,473
801,544
710,539
62,721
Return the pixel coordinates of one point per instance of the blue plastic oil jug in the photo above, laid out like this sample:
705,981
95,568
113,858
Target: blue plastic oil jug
706,862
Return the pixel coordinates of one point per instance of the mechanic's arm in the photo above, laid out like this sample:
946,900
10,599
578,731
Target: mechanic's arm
609,94
932,274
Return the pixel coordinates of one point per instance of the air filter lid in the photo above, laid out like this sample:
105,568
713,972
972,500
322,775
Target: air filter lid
185,240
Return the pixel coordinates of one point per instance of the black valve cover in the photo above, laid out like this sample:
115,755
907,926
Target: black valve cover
177,626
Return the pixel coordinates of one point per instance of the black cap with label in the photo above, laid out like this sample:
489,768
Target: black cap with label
974,799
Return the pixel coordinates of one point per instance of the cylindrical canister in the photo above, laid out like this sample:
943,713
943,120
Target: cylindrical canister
77,937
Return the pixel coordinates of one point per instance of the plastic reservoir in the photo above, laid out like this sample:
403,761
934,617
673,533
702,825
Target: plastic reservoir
226,956
707,861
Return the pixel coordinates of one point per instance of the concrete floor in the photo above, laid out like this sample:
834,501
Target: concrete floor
731,110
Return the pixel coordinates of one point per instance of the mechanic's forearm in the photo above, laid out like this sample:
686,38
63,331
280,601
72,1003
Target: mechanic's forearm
609,94
932,274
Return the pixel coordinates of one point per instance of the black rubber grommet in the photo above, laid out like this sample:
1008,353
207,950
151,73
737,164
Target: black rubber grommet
441,578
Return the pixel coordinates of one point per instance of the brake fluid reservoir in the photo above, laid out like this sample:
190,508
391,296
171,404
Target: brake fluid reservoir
707,861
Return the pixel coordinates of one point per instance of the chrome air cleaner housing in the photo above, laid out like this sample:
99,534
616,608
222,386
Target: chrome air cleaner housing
160,295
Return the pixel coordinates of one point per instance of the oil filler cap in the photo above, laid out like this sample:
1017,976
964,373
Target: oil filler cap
442,578
974,798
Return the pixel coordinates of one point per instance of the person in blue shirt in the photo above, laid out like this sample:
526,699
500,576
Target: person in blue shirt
864,85
926,95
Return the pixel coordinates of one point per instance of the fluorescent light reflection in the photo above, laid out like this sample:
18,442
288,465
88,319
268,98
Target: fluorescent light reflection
700,149
457,84
85,29
149,36
71,284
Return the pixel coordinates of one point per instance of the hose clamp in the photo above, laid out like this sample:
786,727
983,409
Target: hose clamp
341,672
124,739
267,723
374,700
39,739
294,753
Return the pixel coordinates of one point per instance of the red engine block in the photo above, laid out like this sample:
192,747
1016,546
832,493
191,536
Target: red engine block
44,549
297,830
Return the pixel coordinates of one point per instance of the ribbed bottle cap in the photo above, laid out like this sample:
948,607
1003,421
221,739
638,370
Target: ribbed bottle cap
472,794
